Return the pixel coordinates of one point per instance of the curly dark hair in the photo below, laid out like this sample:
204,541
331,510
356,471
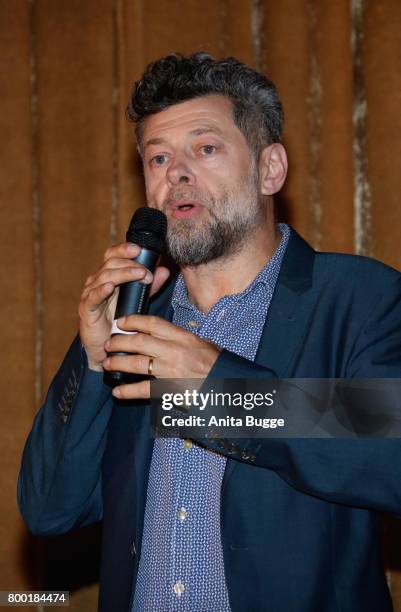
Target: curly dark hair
257,109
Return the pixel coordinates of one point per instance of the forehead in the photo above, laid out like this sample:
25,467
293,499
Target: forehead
213,111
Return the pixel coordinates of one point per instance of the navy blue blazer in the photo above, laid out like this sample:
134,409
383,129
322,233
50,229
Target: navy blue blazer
300,519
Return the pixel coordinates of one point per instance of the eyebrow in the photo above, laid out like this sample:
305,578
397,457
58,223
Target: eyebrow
197,132
206,130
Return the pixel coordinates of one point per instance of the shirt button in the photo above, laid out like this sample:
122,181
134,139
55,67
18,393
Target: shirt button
221,315
182,514
187,444
179,588
193,324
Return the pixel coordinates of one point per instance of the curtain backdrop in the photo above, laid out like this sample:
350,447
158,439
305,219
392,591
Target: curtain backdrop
71,179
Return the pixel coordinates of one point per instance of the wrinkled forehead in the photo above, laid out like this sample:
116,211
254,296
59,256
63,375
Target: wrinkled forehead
212,113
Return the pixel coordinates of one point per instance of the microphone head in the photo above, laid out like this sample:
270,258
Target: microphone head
148,229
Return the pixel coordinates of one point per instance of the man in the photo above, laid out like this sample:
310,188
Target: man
278,525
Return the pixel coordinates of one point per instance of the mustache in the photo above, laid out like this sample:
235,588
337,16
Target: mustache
188,194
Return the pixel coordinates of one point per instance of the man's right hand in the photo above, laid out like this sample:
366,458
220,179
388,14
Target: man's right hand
99,297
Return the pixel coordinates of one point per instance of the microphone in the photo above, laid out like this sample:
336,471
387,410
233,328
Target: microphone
148,229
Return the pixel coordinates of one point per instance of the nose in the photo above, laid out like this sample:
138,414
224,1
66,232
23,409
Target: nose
179,171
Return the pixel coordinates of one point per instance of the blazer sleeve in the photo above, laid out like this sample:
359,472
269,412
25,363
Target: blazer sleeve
59,484
357,472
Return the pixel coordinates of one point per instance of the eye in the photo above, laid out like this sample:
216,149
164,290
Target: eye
208,149
158,160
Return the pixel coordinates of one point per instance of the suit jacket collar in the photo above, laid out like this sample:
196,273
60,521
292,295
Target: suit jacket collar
290,309
297,268
287,319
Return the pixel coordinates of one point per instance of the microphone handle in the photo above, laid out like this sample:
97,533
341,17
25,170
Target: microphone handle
133,298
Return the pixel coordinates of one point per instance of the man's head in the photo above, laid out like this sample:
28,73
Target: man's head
257,109
208,134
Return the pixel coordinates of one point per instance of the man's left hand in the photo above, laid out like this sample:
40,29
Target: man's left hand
176,353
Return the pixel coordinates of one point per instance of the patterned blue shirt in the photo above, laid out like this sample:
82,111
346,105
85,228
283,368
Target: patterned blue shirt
181,567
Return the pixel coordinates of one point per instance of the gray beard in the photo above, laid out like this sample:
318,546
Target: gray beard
189,245
238,213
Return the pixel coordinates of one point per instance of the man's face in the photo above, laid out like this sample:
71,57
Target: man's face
200,172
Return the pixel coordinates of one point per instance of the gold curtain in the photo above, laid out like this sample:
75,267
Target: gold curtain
71,178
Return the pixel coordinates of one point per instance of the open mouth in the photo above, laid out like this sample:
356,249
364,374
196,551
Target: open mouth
185,206
185,209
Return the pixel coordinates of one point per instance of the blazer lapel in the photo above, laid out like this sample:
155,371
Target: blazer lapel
290,309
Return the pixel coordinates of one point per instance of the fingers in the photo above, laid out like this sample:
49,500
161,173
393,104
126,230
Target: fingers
139,390
96,297
144,344
117,276
115,271
133,364
160,276
129,363
149,324
114,263
118,268
125,250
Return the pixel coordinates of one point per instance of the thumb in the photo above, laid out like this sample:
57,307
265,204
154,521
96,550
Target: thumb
160,276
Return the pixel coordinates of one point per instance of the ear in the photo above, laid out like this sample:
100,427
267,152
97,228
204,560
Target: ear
273,166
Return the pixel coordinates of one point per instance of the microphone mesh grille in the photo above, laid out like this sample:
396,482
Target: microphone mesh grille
148,229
